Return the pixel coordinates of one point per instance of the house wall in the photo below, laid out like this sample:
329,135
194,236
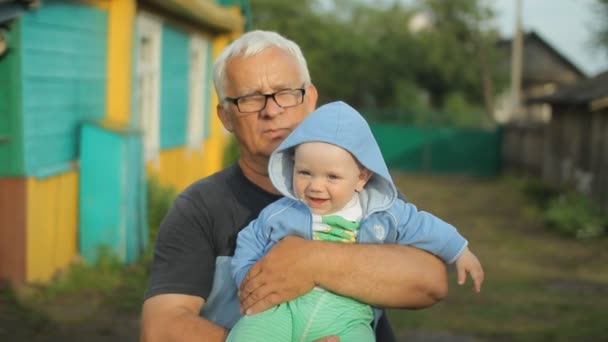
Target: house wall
52,230
64,77
599,157
13,199
56,75
64,47
579,151
11,134
523,147
571,151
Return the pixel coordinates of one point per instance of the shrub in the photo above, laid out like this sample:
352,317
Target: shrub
231,152
160,198
573,214
540,192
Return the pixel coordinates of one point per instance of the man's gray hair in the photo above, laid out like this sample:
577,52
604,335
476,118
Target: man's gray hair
252,43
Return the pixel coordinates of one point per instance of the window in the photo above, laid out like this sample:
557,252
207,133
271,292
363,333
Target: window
199,90
148,82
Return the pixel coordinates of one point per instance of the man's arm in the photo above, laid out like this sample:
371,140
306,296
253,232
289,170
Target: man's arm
174,317
383,275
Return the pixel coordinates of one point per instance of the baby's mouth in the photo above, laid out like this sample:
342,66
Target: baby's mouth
315,202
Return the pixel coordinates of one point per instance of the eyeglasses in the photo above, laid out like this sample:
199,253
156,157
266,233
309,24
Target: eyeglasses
254,103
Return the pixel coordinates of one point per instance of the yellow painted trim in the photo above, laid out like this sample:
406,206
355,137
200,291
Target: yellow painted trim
121,19
204,13
51,228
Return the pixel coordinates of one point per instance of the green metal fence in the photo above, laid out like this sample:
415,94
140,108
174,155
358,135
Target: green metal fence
445,150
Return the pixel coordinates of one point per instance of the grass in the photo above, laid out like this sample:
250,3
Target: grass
540,285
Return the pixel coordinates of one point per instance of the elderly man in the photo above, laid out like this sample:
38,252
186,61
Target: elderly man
265,90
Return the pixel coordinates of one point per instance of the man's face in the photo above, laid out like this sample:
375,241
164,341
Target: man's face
326,176
271,70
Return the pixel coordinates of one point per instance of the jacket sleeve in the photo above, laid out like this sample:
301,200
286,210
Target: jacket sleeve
251,244
426,231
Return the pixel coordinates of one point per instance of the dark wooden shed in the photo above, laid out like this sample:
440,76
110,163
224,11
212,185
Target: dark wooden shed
576,138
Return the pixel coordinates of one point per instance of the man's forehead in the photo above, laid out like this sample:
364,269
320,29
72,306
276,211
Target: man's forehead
262,73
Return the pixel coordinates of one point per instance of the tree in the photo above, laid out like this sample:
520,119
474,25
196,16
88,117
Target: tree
459,46
371,58
600,34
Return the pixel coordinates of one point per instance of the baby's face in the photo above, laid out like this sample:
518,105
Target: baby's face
326,176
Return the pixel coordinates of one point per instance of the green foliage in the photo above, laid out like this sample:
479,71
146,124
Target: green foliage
160,198
231,152
600,28
461,113
574,214
569,213
98,279
365,53
540,193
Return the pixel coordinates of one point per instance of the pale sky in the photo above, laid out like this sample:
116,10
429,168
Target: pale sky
565,24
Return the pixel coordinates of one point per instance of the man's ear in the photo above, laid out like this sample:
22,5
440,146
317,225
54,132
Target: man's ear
311,97
364,177
224,117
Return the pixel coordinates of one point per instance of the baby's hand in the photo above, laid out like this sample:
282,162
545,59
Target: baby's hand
468,262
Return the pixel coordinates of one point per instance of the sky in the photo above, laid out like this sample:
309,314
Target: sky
565,24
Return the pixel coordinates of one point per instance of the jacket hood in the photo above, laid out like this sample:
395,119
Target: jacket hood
339,124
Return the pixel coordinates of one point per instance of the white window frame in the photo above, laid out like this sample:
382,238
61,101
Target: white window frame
149,28
197,100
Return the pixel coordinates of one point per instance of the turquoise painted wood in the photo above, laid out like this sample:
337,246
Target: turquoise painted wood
11,132
64,52
112,193
174,87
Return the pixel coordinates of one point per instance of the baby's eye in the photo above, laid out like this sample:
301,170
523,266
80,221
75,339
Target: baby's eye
304,173
333,177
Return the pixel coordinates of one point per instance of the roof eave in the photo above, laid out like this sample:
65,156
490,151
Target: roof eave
203,13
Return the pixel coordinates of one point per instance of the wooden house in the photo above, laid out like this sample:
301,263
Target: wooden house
96,96
576,139
544,69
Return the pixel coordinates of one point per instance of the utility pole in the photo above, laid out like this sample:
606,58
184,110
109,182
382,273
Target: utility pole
516,64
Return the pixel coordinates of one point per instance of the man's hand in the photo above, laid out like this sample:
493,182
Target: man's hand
284,273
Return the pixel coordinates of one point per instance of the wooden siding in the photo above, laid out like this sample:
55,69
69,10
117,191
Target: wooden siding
579,151
111,193
523,149
12,229
64,81
52,234
174,87
11,137
571,151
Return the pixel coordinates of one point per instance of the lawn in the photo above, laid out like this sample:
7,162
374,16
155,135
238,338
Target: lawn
539,286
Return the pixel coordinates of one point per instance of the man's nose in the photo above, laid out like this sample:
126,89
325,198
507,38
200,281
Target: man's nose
272,108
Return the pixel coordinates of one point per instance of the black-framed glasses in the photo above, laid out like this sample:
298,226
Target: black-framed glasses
254,103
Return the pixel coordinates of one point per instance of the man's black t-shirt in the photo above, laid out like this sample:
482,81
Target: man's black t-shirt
201,227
